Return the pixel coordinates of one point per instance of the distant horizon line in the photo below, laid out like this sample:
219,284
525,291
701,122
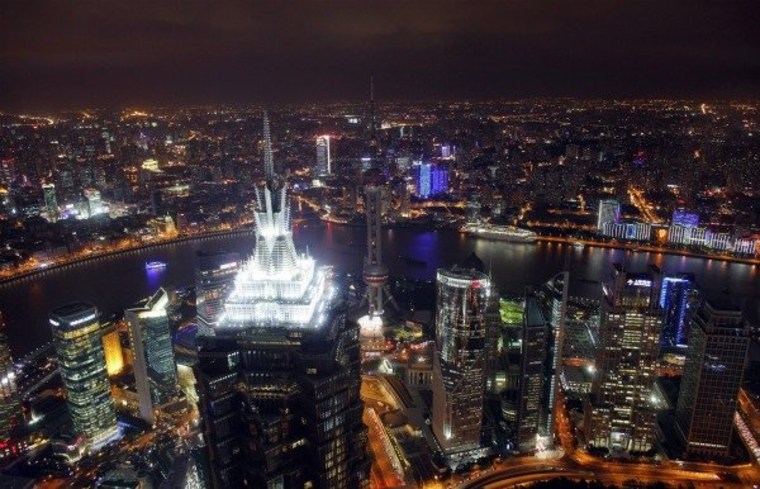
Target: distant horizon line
382,102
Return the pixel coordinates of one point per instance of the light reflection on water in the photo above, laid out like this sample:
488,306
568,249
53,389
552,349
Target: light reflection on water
118,282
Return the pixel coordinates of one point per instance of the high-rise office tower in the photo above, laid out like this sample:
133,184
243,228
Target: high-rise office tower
609,212
65,180
7,171
324,162
51,202
619,413
542,342
155,370
215,274
462,324
279,379
431,180
79,345
712,376
473,208
94,203
677,298
375,273
535,339
112,348
9,403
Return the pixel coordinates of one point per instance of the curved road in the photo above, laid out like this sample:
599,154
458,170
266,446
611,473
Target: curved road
609,473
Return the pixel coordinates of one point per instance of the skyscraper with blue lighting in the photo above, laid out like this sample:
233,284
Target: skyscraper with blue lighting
431,180
682,217
677,297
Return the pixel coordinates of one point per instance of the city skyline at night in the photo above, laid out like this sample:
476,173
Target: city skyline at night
379,245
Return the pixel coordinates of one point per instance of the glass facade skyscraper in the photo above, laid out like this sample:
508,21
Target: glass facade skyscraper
324,163
155,370
541,359
619,413
51,201
531,403
278,379
431,180
677,297
77,336
462,323
711,380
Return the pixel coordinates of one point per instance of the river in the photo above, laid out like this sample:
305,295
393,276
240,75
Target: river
116,282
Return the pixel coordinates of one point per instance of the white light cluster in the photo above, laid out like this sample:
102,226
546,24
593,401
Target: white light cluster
276,286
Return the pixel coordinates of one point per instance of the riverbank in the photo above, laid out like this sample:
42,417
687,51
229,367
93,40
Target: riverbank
635,247
126,251
650,249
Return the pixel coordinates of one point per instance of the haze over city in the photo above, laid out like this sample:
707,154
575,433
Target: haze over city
369,245
55,55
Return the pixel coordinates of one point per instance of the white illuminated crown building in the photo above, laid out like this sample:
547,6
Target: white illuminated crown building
276,286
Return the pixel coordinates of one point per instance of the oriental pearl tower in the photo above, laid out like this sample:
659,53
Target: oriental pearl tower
375,273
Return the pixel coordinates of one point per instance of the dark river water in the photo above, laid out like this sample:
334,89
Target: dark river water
116,282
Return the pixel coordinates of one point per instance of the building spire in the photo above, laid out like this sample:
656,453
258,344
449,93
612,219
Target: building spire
268,159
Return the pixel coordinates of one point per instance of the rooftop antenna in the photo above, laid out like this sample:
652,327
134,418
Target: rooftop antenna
268,159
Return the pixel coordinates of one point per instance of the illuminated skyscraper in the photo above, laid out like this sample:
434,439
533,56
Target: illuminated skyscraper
7,171
112,348
609,212
462,326
51,202
94,204
543,338
155,370
712,376
214,279
79,345
535,338
473,208
324,162
278,380
677,297
10,414
619,413
431,180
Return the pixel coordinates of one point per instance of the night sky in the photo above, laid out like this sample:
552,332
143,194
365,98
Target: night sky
74,54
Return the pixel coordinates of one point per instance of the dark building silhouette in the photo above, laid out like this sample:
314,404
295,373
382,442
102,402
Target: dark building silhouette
712,376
